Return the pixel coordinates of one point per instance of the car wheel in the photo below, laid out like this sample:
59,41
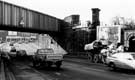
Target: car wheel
35,64
58,65
95,58
112,66
89,57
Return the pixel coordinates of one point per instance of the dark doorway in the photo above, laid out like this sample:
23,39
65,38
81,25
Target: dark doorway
132,44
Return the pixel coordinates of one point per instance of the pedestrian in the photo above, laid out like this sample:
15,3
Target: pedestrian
112,48
97,46
126,49
120,48
104,54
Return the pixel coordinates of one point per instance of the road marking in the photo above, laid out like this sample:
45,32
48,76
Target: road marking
80,66
43,75
57,73
36,72
95,69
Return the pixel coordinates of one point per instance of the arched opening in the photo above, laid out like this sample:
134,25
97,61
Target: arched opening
132,44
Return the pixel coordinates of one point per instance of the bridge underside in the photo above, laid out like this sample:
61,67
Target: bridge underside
30,30
57,36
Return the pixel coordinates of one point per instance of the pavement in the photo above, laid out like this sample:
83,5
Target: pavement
84,61
2,72
78,59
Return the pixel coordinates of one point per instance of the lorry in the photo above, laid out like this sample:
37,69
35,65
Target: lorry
47,57
106,35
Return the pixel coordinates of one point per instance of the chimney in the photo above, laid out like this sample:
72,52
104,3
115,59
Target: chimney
95,17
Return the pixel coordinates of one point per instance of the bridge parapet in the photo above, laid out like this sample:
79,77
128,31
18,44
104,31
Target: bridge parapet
19,17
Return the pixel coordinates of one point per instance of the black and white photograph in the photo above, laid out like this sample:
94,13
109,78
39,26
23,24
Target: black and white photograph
67,40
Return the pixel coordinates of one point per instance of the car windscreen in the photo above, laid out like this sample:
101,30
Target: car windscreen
133,55
42,51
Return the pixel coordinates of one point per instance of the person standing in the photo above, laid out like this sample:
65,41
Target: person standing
104,54
120,48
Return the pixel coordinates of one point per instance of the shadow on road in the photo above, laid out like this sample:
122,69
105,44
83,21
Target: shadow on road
50,69
124,71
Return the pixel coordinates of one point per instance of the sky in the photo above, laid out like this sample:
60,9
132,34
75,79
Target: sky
63,8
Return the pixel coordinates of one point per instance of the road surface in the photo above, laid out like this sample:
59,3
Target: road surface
23,70
72,69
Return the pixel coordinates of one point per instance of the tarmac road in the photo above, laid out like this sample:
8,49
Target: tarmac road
70,70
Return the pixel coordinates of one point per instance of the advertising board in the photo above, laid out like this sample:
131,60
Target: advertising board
109,33
13,33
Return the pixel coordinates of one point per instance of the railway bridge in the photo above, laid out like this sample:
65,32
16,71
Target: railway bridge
17,18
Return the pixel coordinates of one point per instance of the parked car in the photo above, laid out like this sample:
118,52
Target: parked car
12,52
122,60
21,53
11,44
47,57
